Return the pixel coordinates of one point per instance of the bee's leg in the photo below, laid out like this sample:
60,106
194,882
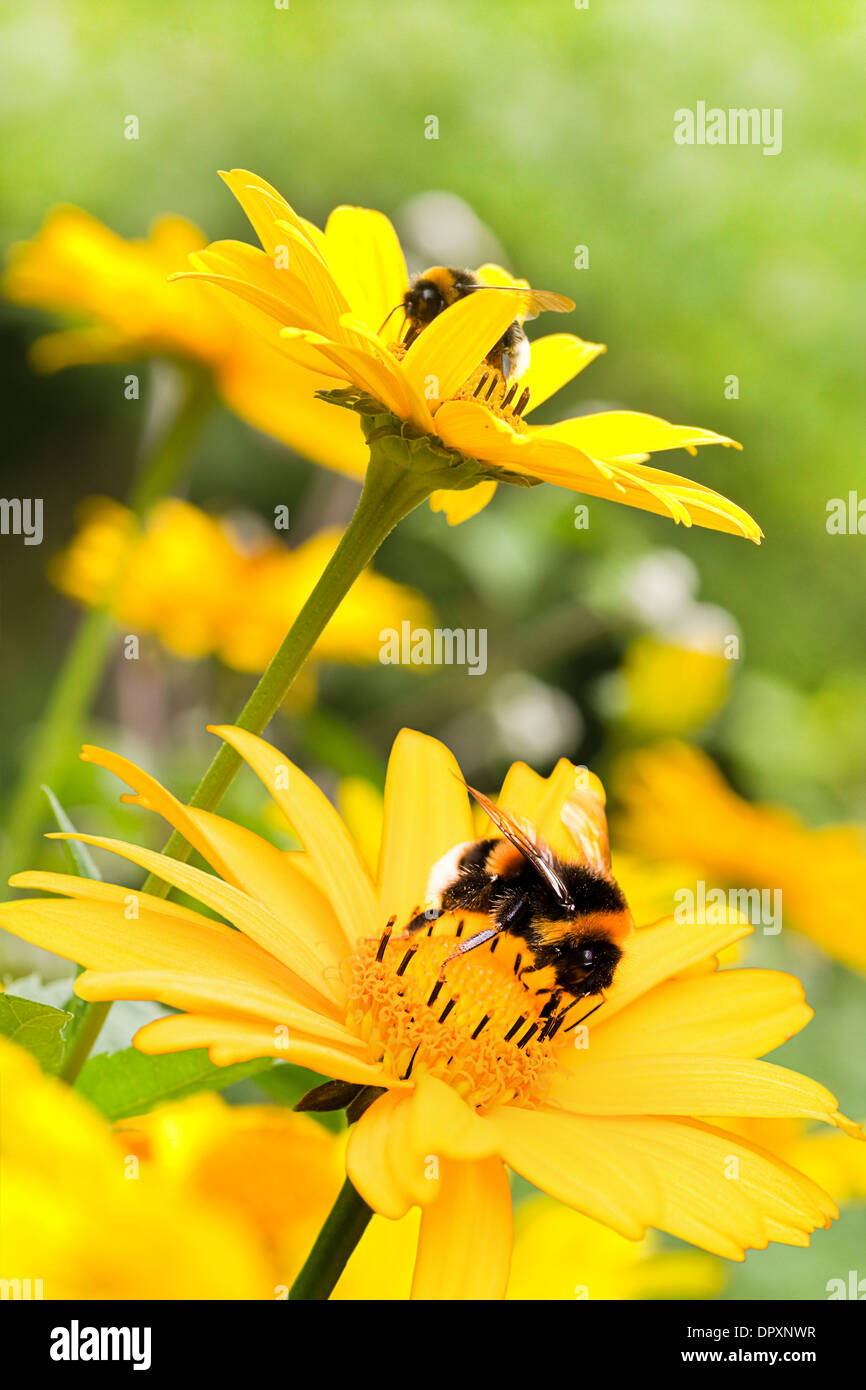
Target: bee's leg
424,919
469,944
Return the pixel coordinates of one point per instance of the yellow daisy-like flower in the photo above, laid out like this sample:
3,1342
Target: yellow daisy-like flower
128,308
821,873
453,1081
203,589
79,1217
329,293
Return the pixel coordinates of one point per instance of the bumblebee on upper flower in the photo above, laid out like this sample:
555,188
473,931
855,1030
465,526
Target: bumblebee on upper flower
456,374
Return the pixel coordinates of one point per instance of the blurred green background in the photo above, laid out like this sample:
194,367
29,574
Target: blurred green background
555,130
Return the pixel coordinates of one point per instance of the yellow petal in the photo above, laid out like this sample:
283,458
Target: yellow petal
546,454
426,814
688,1084
102,935
379,378
648,489
319,970
218,996
264,206
554,361
742,1013
702,1184
269,876
237,1040
365,258
476,432
461,506
451,347
543,800
360,336
442,1124
382,1188
247,273
464,1248
577,1165
656,953
613,433
338,863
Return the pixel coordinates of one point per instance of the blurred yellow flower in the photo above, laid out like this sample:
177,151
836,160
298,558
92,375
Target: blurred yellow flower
670,687
81,1217
273,1173
610,1120
678,806
562,1255
324,298
204,589
128,308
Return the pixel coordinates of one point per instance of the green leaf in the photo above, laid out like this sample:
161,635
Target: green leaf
38,1027
79,856
127,1083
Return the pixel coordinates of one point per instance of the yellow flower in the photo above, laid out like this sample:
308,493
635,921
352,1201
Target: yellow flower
821,873
121,292
671,687
464,1077
78,1216
271,1172
561,1255
203,589
327,295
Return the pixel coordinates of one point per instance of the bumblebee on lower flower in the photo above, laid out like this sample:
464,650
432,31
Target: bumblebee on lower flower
623,1126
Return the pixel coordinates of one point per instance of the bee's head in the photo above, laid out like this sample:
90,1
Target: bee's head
591,965
423,301
599,920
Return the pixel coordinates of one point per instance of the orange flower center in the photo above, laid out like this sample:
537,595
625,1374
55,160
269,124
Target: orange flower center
473,1022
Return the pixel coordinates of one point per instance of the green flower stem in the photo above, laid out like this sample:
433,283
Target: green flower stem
86,657
83,1030
346,1223
390,492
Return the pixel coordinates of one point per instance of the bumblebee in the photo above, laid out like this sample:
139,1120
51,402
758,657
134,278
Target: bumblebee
572,916
441,286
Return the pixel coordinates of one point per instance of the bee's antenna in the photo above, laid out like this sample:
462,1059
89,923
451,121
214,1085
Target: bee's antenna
393,311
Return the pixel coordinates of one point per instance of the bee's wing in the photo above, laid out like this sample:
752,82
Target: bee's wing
583,815
539,300
523,838
531,302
